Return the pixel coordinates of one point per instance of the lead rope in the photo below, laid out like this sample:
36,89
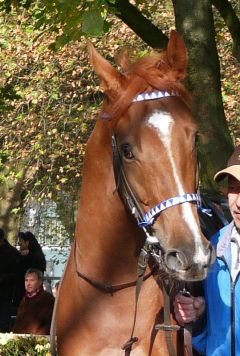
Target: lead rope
142,265
187,328
167,326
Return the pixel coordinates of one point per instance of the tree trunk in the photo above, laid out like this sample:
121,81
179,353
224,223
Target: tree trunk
10,199
194,21
232,22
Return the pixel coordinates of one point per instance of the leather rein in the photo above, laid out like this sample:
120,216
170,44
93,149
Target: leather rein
107,287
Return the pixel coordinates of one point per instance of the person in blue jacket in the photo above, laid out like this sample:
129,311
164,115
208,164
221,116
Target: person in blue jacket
216,316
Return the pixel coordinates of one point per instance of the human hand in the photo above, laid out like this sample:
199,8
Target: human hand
188,309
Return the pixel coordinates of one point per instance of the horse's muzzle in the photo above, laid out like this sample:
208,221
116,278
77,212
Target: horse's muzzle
184,267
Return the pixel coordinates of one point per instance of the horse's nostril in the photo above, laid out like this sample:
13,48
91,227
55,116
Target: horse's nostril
175,260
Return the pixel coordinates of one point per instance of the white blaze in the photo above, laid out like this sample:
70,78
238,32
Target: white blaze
163,122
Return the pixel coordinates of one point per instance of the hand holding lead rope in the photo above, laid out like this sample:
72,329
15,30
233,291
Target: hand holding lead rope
187,328
188,308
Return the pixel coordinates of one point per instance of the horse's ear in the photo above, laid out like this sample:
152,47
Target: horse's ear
122,58
177,54
109,76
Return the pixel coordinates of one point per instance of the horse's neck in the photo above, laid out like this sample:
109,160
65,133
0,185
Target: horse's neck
105,232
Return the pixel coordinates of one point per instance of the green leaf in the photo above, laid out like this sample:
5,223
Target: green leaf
93,23
20,174
15,211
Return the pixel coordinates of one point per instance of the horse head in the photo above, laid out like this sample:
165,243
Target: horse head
154,147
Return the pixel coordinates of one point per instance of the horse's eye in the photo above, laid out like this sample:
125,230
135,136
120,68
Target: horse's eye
127,151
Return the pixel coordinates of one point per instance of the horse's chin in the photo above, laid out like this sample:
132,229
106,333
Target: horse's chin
191,275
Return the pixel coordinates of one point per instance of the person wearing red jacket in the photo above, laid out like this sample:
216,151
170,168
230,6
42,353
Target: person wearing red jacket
35,310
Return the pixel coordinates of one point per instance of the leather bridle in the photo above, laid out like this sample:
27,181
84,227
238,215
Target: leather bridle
152,247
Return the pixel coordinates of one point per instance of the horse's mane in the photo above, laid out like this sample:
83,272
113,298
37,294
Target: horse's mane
152,72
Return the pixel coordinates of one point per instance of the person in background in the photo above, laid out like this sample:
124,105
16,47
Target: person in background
9,266
35,311
32,256
216,316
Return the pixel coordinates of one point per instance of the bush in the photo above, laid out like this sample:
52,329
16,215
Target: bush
15,345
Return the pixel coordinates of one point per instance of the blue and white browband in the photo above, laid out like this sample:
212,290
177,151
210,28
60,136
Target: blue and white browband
149,217
154,95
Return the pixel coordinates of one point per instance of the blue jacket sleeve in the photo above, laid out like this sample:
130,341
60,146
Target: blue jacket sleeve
199,342
199,333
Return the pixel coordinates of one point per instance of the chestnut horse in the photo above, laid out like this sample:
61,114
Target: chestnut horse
138,198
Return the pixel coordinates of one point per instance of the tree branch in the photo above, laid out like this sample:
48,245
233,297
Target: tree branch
231,20
143,27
